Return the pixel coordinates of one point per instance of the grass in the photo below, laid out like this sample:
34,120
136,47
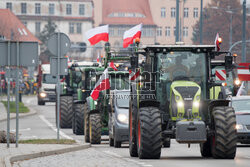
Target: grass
47,141
22,107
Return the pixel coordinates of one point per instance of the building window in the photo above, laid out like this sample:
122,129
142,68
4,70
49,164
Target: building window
185,31
167,31
79,28
120,31
195,12
185,13
159,31
38,27
71,28
51,9
23,8
81,9
24,23
172,12
163,12
9,6
121,14
37,8
68,9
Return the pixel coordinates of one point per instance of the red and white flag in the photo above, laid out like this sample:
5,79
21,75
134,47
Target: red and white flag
217,42
131,34
112,65
102,84
98,34
241,90
133,76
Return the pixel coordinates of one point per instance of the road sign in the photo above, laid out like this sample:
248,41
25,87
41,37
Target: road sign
244,71
54,66
27,51
64,44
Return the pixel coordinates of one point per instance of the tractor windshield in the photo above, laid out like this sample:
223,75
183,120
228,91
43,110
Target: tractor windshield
183,66
119,81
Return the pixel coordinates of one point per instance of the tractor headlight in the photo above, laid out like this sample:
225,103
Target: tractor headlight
122,118
43,94
95,102
196,104
177,97
237,82
180,104
238,127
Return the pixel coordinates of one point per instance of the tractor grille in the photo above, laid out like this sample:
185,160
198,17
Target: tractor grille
187,92
248,127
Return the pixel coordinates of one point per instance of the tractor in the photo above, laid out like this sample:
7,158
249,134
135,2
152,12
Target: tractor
172,100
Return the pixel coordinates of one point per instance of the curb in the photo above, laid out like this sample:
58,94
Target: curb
21,115
11,159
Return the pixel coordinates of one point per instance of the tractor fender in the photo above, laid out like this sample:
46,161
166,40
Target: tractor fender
67,94
216,103
78,102
91,105
148,103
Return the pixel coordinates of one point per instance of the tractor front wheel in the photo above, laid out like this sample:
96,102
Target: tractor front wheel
66,111
95,127
86,123
79,119
149,137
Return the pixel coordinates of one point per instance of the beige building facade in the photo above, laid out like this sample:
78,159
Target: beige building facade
72,17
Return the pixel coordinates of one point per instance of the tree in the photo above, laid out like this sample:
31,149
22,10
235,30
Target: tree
218,20
48,30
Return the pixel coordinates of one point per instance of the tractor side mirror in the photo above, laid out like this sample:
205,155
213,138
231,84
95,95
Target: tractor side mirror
228,63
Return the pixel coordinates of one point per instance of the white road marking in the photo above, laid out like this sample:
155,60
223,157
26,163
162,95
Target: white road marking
147,165
21,130
54,128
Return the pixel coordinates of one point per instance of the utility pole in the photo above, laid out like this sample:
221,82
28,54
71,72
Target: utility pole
177,22
201,23
243,52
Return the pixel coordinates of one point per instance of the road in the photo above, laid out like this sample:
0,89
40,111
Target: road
42,125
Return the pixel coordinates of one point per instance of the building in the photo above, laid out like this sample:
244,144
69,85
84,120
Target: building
72,17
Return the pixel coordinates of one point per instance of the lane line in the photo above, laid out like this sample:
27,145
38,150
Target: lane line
21,130
54,128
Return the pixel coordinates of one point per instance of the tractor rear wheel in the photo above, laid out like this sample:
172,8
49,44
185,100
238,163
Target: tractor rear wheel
86,123
224,140
149,137
95,127
73,120
79,119
132,130
66,111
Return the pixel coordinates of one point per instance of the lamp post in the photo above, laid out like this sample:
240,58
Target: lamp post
177,22
201,23
243,52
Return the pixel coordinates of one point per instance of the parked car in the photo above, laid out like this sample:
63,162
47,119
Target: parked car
241,105
118,117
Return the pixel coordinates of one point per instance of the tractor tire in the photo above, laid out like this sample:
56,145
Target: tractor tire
117,144
79,119
73,120
40,103
132,130
111,141
95,128
205,148
224,140
86,123
148,133
166,142
66,111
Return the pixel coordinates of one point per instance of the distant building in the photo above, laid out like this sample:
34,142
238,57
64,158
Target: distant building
72,17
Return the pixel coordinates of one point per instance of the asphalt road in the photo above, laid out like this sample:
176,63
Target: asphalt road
42,125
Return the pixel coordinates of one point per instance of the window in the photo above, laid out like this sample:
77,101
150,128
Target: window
172,12
68,9
23,8
121,14
185,13
120,31
195,12
79,28
37,8
159,31
9,6
71,28
185,31
167,31
25,23
51,9
111,31
81,9
163,12
38,27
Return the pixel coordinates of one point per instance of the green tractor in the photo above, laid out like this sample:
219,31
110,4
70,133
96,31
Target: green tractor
172,100
72,82
96,113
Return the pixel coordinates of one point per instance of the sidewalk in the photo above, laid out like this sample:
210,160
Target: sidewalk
3,113
29,151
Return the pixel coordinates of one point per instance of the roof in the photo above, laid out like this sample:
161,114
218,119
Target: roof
13,29
126,12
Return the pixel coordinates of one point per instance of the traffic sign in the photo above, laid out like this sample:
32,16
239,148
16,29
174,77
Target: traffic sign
54,66
64,44
244,71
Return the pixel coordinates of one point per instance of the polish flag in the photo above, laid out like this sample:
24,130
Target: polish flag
102,84
112,65
98,34
131,34
217,42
